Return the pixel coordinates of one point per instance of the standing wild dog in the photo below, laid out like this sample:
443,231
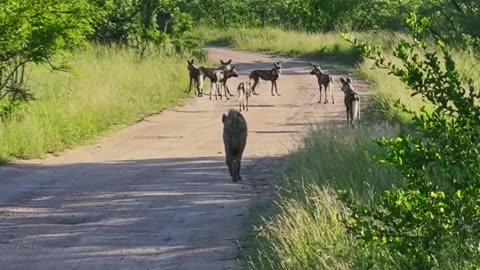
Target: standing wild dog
244,91
325,81
352,102
217,79
226,65
234,140
196,75
267,75
212,74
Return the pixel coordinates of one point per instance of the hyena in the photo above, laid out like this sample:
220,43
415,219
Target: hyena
196,76
234,139
267,75
325,81
244,91
352,102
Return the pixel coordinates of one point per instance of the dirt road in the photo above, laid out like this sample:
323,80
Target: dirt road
156,195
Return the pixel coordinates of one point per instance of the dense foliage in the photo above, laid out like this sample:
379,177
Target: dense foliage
437,206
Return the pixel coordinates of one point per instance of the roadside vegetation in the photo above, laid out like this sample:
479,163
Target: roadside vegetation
381,197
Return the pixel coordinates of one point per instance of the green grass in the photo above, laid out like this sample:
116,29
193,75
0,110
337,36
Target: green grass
303,229
108,89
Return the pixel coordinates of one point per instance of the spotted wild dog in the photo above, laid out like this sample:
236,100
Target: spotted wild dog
234,140
196,76
325,81
244,92
267,75
227,67
352,102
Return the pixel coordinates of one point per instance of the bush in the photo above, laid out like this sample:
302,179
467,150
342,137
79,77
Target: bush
437,205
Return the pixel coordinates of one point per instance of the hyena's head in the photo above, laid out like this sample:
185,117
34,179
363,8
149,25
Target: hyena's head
226,65
346,86
316,70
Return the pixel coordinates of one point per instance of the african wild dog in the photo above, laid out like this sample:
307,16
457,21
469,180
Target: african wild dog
244,91
325,81
234,140
352,102
196,75
217,79
226,66
267,75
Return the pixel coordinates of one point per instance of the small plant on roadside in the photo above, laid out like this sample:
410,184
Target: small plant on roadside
437,206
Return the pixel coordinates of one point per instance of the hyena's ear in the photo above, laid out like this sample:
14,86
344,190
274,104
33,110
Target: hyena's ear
223,118
342,80
348,80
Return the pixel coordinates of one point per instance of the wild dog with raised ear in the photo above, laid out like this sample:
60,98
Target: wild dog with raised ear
352,102
217,76
234,140
196,76
325,81
244,92
226,65
267,75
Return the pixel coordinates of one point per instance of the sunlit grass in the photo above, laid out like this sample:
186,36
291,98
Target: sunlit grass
108,88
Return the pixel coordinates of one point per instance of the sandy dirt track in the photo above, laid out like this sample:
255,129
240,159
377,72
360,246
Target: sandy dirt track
157,195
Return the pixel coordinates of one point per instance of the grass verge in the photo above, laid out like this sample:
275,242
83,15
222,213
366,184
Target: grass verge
303,229
108,89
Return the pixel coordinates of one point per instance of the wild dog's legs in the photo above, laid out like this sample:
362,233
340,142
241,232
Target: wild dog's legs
246,100
271,90
320,87
325,87
348,115
330,88
225,90
190,85
255,83
276,88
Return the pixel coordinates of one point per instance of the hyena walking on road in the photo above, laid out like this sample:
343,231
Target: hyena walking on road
234,140
267,75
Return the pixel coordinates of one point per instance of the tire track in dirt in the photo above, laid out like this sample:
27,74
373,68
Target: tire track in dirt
157,195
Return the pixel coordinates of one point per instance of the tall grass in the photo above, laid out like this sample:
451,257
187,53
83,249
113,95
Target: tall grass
107,89
305,231
302,230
